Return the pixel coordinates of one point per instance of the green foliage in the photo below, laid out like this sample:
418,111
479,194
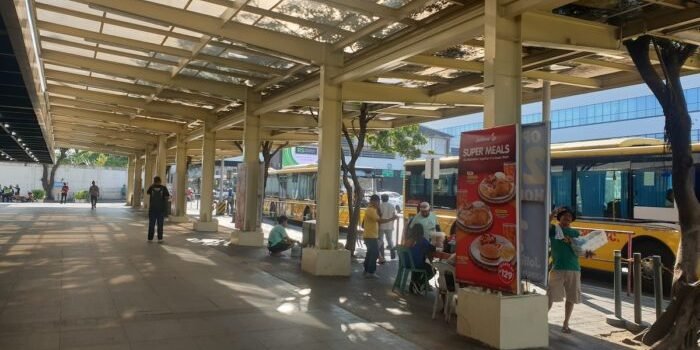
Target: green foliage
38,194
81,194
405,141
79,157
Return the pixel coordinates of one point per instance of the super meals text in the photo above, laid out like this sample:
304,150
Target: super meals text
486,151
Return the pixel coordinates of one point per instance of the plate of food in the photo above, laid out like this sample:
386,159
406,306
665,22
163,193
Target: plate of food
474,217
490,250
497,188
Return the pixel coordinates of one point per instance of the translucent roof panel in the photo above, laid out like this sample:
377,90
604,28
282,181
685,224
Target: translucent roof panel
206,8
388,30
287,28
173,3
246,18
121,59
394,3
144,22
129,33
67,49
70,5
264,4
355,21
50,66
179,43
71,21
312,11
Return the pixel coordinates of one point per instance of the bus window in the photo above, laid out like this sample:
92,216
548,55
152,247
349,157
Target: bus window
283,186
304,186
603,193
416,186
561,188
272,187
445,193
652,188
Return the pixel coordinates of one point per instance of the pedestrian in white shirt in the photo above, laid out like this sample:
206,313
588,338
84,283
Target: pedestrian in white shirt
386,230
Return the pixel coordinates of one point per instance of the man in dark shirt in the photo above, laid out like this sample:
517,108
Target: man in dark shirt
156,209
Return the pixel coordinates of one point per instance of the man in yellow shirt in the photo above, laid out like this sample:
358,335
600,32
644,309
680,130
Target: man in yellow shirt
370,225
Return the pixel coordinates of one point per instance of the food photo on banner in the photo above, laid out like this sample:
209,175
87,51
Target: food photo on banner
487,215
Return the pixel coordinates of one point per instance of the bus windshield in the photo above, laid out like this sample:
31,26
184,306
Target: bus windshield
418,188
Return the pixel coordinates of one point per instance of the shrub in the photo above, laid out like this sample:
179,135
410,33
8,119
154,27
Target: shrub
81,194
38,194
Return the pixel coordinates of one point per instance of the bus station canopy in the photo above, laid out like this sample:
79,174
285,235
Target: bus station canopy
115,75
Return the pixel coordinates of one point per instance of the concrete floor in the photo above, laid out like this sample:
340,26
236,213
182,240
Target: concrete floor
72,278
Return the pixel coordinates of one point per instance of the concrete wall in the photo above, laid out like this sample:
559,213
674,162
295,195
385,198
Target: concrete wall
28,177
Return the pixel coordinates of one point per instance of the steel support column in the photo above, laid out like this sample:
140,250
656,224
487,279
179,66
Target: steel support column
162,157
502,75
206,223
251,158
130,180
138,182
180,179
148,175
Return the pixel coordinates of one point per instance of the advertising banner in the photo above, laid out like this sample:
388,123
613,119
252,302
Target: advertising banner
534,160
487,218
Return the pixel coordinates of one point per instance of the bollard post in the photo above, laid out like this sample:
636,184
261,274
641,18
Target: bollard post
637,268
617,292
658,285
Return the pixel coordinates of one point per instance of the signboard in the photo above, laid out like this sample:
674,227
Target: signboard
432,168
534,160
487,217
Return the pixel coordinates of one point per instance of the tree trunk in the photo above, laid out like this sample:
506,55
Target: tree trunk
354,190
677,328
48,176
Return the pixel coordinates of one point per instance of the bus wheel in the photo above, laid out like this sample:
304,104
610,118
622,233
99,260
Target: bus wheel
398,209
649,248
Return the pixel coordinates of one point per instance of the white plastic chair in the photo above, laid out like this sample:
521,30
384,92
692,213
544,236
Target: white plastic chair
449,292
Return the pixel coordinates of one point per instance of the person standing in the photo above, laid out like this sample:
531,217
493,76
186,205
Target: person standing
386,230
370,225
426,218
17,190
94,193
156,209
64,193
565,276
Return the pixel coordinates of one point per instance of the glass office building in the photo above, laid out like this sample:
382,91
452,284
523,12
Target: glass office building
625,112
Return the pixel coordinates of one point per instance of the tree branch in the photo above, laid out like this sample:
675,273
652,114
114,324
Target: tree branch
639,51
279,147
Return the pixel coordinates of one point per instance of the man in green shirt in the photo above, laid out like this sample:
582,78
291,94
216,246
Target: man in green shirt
278,241
565,276
425,218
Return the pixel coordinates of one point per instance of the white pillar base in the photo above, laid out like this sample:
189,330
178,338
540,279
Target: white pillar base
206,226
178,219
503,321
248,238
326,262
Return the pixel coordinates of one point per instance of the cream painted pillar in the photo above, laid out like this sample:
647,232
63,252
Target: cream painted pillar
546,101
325,258
502,67
138,182
162,157
148,174
206,223
251,234
180,180
130,179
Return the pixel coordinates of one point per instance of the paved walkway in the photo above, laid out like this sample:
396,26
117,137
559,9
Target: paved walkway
72,278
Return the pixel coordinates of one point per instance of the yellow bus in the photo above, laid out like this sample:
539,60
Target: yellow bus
292,191
622,186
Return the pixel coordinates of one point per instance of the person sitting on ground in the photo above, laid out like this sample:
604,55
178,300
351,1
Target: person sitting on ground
421,252
278,240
